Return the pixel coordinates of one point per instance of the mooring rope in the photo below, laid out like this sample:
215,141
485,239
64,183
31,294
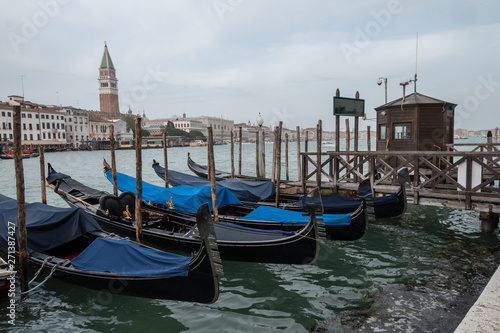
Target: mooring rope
47,277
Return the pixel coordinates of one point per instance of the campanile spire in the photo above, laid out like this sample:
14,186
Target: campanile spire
108,85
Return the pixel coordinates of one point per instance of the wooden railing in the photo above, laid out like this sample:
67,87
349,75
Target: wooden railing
479,147
468,177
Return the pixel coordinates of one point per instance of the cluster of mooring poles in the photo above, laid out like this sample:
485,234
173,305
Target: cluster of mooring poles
260,173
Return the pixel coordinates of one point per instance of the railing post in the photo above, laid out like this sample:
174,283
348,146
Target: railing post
416,179
468,183
304,175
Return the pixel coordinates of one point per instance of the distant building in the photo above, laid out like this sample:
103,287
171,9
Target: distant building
40,124
77,126
190,124
108,86
99,129
221,128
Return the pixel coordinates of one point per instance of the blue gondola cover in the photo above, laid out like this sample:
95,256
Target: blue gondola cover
47,227
127,258
245,190
184,198
265,213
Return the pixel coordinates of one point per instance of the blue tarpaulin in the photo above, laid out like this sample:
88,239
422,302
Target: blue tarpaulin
245,190
265,213
47,227
184,198
127,258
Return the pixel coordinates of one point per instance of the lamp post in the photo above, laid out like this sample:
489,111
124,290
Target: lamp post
379,82
260,122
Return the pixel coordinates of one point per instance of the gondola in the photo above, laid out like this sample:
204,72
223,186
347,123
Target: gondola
349,226
6,276
67,244
244,190
168,229
202,171
388,206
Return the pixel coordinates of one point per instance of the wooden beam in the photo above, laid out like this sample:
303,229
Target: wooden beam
22,237
165,156
138,183
113,158
211,163
42,173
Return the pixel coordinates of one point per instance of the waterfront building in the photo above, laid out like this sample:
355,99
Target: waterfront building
190,124
108,86
77,126
40,124
183,123
221,128
99,129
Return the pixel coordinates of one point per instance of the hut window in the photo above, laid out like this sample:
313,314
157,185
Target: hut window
402,131
381,132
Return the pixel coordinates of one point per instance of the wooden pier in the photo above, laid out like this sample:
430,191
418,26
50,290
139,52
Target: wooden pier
454,179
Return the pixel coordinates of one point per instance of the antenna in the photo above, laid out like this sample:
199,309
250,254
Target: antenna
22,84
416,66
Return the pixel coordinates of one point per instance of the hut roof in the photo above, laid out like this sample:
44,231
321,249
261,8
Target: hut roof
415,99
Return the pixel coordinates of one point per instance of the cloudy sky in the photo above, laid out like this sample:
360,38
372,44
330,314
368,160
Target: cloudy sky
236,58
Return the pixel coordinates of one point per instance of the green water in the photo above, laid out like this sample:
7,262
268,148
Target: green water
433,255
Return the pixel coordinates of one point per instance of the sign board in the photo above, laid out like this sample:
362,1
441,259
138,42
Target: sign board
349,107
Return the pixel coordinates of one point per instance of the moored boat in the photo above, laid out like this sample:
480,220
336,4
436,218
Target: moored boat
6,276
349,226
202,171
198,143
387,206
244,190
169,229
67,244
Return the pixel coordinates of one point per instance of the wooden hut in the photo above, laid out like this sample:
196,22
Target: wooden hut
415,123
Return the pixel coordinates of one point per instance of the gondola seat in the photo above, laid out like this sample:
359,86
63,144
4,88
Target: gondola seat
111,205
117,206
127,199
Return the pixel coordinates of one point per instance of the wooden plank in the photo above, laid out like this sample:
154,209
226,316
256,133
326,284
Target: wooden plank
22,236
138,184
165,156
211,163
113,158
42,174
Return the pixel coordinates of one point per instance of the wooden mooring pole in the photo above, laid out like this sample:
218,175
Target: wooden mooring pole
241,143
318,151
113,158
232,154
165,156
278,163
138,177
347,138
211,163
42,174
306,143
299,172
257,171
368,139
286,157
273,177
489,221
263,153
22,237
336,166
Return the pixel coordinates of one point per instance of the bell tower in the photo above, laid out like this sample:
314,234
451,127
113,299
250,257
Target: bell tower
108,86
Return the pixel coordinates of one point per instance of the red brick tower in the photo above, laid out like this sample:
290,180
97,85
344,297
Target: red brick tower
108,86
